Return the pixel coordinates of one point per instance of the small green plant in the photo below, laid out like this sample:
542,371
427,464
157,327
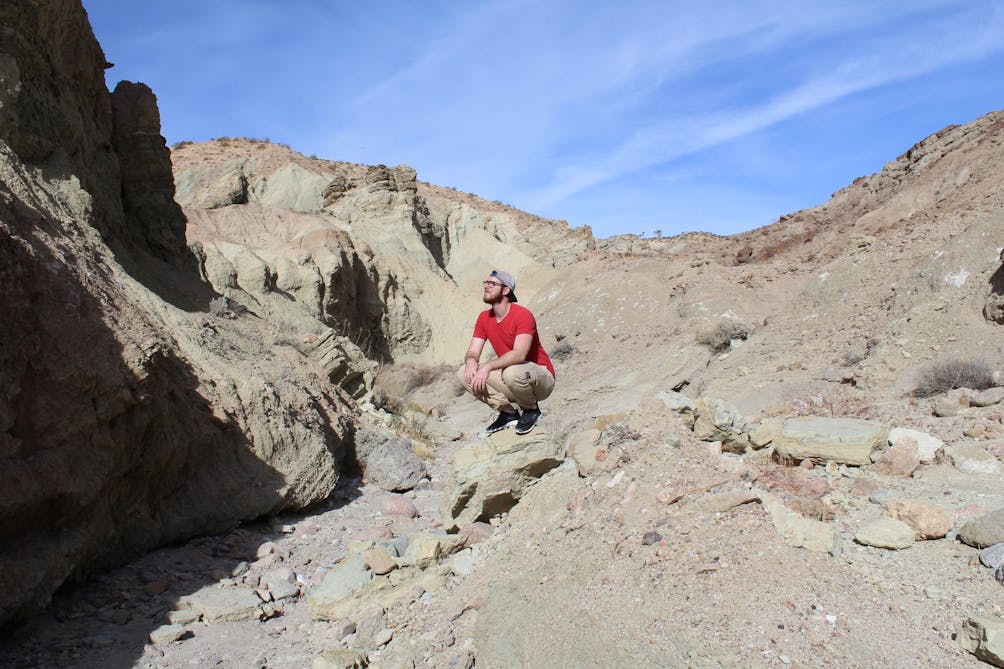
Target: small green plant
941,376
719,337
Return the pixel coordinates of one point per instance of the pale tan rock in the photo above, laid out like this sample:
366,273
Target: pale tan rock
167,633
488,477
802,532
765,432
841,440
340,658
929,521
984,638
219,605
379,561
885,533
583,447
972,459
988,397
425,548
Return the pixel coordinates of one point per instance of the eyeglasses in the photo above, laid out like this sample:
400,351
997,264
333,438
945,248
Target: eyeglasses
492,283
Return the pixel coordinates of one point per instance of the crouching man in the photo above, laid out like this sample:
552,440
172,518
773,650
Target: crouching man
522,375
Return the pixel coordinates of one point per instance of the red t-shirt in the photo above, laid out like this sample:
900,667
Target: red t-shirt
502,335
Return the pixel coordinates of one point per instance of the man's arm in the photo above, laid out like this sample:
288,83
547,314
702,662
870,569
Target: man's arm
479,381
472,357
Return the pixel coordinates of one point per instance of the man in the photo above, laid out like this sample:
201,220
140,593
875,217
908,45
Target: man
522,374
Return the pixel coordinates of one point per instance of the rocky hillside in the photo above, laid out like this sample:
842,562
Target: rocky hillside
192,338
386,260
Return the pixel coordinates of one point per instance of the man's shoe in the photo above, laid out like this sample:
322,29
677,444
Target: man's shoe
505,419
527,420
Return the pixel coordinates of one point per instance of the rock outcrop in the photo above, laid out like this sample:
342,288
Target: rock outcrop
125,422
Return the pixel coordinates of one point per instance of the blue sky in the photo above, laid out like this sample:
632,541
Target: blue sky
628,117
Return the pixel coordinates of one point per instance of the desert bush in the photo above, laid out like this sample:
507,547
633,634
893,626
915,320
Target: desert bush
719,337
562,351
184,142
943,375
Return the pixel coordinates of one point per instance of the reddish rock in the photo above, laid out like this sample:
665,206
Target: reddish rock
794,480
901,459
398,505
864,487
379,561
475,533
154,588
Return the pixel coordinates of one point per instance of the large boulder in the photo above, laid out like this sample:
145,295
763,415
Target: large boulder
489,477
842,440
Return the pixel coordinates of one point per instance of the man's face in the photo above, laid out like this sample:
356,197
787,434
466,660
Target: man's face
493,290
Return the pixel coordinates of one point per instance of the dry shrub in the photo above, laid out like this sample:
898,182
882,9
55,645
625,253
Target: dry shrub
941,376
562,351
719,337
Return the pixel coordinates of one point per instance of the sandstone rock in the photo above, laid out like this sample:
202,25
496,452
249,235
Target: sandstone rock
393,466
802,532
183,617
723,501
984,638
842,440
339,583
764,432
488,477
281,584
900,459
675,401
167,634
992,556
794,480
972,459
379,561
927,446
717,420
863,487
928,521
988,397
951,403
340,658
584,448
885,533
475,533
984,531
217,605
397,505
425,548
462,563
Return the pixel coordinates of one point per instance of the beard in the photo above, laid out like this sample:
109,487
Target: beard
487,299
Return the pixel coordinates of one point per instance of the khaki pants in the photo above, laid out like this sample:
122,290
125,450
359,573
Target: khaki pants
522,385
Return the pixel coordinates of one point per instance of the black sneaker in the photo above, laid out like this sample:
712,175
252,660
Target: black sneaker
527,420
505,419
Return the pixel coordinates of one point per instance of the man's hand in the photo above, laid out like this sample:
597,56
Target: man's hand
479,383
470,369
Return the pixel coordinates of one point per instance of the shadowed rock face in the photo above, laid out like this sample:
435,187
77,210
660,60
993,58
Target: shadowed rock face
154,220
125,423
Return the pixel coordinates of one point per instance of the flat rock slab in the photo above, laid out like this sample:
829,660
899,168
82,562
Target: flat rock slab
843,440
167,634
988,397
488,477
929,521
885,533
984,531
340,583
972,459
984,638
802,532
218,605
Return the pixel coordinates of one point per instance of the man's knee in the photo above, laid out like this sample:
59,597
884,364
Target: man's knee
515,378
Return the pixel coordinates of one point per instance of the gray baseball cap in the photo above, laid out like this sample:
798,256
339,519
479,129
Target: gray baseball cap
507,280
